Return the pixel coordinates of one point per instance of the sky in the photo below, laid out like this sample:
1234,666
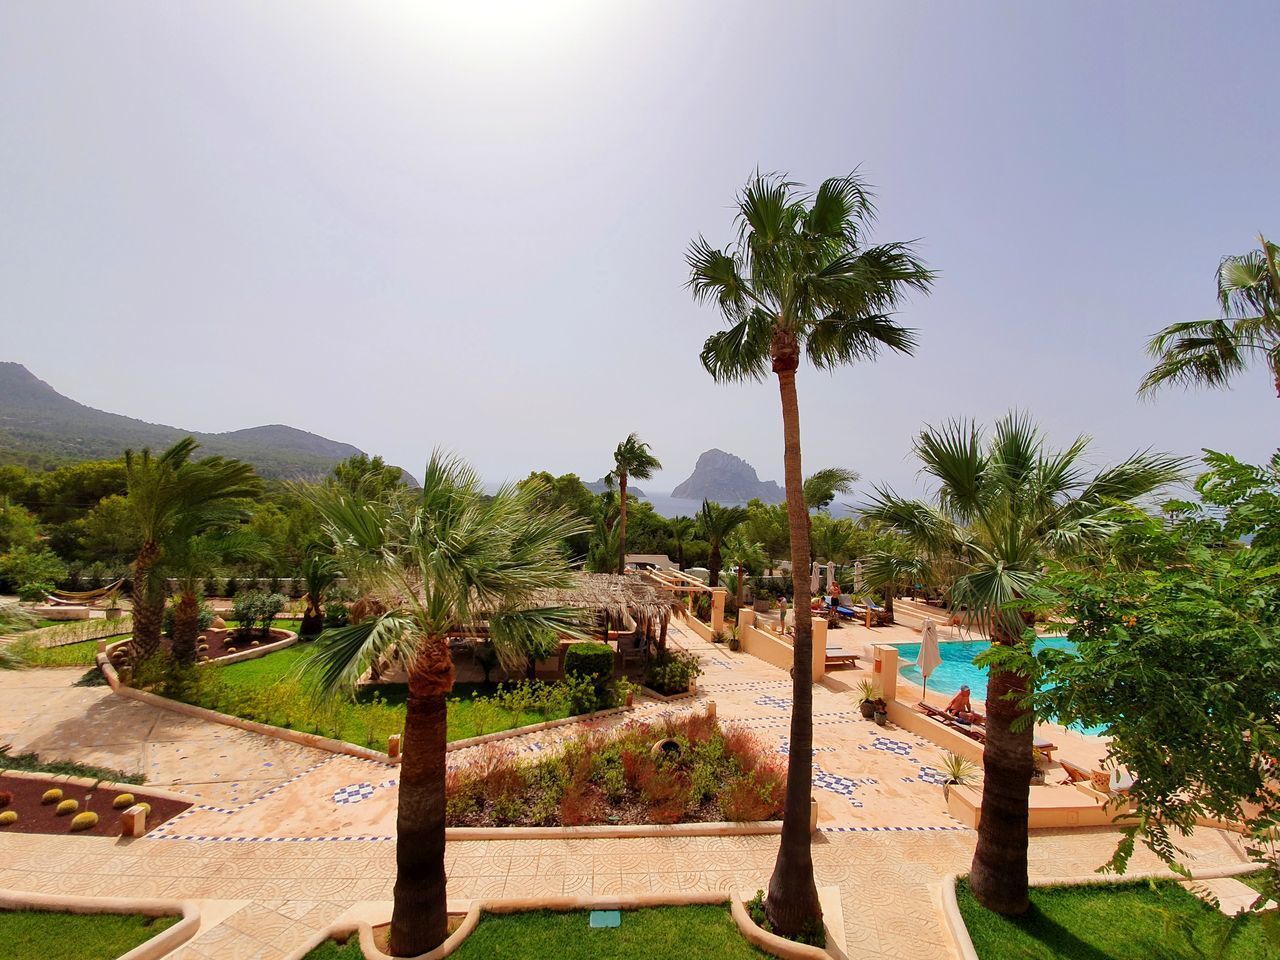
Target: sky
408,225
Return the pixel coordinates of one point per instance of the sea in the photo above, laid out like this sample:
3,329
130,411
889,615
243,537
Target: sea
669,506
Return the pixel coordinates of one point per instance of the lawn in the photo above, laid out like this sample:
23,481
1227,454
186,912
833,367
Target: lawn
693,932
1122,921
82,654
37,935
268,690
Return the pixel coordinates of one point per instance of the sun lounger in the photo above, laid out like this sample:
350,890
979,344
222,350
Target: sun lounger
977,731
836,657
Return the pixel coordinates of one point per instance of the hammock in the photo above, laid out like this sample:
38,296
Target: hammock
84,597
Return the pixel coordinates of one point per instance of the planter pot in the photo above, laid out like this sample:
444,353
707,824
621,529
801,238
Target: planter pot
867,709
881,717
762,606
115,613
1037,778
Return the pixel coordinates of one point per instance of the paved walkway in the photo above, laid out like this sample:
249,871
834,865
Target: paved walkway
288,838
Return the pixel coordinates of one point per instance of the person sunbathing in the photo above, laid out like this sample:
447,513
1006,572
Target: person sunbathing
961,708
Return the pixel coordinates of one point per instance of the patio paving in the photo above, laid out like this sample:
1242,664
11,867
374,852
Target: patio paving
290,837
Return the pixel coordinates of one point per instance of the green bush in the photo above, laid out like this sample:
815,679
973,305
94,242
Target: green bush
21,566
232,587
336,614
257,609
593,660
34,592
672,671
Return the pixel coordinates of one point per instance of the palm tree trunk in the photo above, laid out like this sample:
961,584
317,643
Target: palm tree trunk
792,904
998,876
713,563
147,603
741,585
186,627
622,521
419,918
312,618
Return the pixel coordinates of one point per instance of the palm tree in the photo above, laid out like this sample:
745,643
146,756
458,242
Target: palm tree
319,572
743,554
1211,352
801,282
202,538
631,459
824,486
682,531
1004,507
716,522
441,561
173,498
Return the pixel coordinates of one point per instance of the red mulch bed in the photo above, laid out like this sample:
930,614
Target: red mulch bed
37,817
220,641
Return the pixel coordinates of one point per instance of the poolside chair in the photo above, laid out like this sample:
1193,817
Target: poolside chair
836,657
977,731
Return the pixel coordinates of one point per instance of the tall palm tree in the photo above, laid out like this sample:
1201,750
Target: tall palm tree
173,497
801,282
1004,507
716,522
631,459
682,531
1211,352
439,561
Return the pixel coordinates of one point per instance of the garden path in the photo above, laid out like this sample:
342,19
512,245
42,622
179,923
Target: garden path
281,857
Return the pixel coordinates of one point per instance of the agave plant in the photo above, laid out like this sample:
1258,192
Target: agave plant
958,772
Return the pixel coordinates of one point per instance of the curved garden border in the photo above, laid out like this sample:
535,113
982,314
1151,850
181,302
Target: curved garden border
960,933
775,945
312,739
161,945
288,639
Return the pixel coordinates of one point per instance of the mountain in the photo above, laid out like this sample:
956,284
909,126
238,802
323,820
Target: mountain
724,478
39,425
598,486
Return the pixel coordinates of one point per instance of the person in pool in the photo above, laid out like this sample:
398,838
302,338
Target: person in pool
961,708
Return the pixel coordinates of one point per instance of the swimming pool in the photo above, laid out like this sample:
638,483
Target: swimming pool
957,667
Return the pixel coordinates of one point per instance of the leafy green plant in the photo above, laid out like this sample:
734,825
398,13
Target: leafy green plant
672,671
35,592
813,933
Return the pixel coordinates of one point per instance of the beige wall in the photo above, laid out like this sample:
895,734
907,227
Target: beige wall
769,647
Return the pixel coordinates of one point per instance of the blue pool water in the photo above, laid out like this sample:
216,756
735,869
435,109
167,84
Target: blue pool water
957,667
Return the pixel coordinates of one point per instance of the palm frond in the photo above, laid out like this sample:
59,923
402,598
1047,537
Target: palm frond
742,352
343,655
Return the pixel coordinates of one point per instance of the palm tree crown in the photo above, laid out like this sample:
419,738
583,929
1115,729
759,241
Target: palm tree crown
631,458
716,522
1211,352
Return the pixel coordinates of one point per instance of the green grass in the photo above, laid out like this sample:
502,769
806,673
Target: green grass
1122,921
82,654
37,935
32,763
1256,880
687,932
375,713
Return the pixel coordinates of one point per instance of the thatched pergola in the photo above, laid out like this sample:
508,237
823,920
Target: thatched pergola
620,598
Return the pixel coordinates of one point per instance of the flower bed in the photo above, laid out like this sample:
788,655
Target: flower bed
26,797
679,769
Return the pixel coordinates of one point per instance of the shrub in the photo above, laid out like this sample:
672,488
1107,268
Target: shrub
336,614
21,567
6,798
67,806
666,793
747,799
593,660
461,792
8,817
84,821
34,592
257,610
51,796
579,804
672,671
122,801
232,587
813,934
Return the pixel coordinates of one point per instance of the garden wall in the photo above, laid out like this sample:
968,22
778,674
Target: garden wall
769,647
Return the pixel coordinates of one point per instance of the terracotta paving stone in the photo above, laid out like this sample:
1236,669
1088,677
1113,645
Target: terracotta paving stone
278,824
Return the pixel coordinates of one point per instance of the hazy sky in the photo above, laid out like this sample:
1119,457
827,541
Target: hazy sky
406,225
